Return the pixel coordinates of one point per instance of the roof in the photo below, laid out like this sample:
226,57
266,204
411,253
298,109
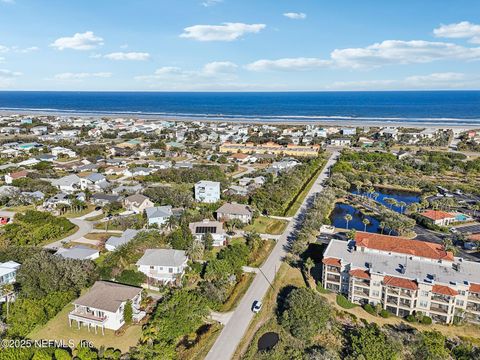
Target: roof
108,296
66,180
94,177
163,257
332,261
77,252
235,209
402,245
158,211
8,267
437,215
206,226
444,290
400,282
18,174
359,273
117,241
474,288
136,198
207,183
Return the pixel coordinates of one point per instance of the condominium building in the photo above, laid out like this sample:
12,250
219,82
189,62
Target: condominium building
207,191
404,276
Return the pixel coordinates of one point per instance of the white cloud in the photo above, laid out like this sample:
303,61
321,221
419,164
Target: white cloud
224,32
376,55
7,77
80,41
434,81
17,49
295,15
133,56
300,63
212,71
208,3
81,76
461,30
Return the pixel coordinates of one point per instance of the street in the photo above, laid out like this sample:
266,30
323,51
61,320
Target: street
234,330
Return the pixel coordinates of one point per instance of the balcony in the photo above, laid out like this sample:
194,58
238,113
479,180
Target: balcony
361,292
405,303
439,308
441,298
406,293
394,291
333,269
333,278
81,315
474,297
392,300
473,307
359,282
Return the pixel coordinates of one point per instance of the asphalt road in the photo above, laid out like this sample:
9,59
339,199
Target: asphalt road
233,332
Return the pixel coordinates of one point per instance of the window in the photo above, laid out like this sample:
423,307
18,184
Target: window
459,302
170,270
424,293
423,304
375,293
152,267
376,283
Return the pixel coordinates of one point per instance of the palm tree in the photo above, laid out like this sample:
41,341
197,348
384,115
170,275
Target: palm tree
309,264
390,201
382,226
402,204
347,218
365,222
6,291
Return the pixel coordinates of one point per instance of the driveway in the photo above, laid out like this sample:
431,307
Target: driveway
234,330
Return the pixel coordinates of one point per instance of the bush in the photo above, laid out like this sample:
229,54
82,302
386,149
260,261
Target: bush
426,320
410,318
343,302
384,313
131,277
321,289
370,309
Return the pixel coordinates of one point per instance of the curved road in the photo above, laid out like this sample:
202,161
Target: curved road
237,325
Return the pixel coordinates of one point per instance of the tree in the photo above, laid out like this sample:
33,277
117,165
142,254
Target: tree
432,346
128,312
195,250
309,264
207,240
6,291
365,222
305,313
402,204
253,241
348,218
370,343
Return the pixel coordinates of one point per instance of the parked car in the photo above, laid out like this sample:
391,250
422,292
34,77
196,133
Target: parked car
257,306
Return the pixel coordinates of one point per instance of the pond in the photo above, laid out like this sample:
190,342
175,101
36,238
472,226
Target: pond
267,341
407,197
337,218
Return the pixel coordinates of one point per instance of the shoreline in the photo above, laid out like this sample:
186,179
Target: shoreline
273,120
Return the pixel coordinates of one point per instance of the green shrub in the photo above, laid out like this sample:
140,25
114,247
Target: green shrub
321,289
343,302
410,318
370,309
426,320
384,313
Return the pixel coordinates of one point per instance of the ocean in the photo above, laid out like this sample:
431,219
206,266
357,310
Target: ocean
406,107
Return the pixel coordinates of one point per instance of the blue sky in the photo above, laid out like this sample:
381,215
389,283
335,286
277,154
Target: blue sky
239,45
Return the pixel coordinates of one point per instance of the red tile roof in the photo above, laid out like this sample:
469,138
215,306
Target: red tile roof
400,282
397,244
444,290
359,273
19,174
437,215
474,288
332,261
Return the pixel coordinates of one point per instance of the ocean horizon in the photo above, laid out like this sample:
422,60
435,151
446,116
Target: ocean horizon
440,108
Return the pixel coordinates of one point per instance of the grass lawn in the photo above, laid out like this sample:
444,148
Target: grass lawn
75,214
262,253
265,320
240,289
100,236
20,208
266,225
96,218
58,329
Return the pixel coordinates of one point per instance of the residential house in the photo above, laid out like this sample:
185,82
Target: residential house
436,217
163,265
231,211
104,304
58,151
69,184
207,191
102,199
15,175
158,215
215,228
340,142
114,242
8,273
137,203
78,253
139,171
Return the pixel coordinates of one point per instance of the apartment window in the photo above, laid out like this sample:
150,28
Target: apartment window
152,267
461,292
170,270
459,302
424,293
423,304
376,283
375,293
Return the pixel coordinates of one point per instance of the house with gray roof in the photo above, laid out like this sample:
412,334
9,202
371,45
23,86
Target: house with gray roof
103,306
114,242
69,184
158,215
78,253
233,211
163,265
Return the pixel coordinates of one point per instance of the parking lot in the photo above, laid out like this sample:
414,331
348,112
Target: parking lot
469,229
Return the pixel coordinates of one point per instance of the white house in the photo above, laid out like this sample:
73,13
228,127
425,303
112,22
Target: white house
8,271
215,228
207,191
69,183
340,142
104,304
137,203
164,265
232,211
158,214
58,150
79,253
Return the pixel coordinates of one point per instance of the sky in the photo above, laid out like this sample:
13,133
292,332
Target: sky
239,45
